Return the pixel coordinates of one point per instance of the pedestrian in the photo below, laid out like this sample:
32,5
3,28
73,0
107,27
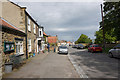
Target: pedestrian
54,48
48,46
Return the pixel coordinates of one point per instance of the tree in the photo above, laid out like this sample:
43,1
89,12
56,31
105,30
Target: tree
112,18
83,39
108,36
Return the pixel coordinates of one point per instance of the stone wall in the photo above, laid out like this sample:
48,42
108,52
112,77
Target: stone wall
13,14
8,35
31,35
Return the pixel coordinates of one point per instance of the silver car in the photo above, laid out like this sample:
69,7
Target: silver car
62,49
115,52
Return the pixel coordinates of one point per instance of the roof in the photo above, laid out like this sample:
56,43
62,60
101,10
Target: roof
31,17
6,24
62,41
52,39
68,42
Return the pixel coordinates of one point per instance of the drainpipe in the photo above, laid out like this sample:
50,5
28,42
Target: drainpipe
26,35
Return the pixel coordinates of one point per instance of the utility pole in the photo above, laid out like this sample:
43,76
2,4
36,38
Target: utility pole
103,27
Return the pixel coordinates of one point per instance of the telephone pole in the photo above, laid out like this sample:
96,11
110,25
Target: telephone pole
103,27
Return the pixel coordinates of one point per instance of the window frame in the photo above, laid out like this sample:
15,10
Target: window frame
29,24
29,45
34,28
19,47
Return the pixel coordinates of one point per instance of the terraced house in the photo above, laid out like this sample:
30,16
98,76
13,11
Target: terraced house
19,17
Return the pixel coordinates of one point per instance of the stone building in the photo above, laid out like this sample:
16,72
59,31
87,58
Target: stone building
13,42
19,17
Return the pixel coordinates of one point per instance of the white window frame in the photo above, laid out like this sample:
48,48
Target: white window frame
40,30
29,27
34,28
29,45
19,47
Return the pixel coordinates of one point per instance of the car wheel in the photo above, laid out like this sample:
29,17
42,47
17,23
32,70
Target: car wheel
110,55
92,51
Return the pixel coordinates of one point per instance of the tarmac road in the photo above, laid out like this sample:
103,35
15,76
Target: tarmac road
94,65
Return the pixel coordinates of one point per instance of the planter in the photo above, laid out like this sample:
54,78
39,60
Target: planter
8,67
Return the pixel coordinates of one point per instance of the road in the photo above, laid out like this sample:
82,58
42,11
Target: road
49,65
93,65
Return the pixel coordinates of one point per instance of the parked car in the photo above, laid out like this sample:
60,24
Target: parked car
115,52
62,49
94,48
80,46
74,46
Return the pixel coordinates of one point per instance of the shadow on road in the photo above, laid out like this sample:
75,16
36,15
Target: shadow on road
98,64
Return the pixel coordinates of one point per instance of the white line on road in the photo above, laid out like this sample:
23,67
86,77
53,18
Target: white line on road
78,68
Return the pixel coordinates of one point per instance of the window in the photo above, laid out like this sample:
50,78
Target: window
29,45
19,47
40,33
29,27
34,29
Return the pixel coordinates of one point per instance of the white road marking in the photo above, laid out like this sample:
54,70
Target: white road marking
78,68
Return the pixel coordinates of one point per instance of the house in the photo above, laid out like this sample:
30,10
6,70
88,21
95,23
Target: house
19,17
45,40
13,42
63,42
40,39
69,43
53,40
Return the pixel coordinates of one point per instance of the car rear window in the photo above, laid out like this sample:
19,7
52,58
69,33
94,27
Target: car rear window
96,46
80,45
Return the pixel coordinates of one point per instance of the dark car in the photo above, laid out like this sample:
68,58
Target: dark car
80,46
115,52
74,46
94,48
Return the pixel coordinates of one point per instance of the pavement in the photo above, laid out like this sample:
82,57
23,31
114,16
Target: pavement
93,65
51,65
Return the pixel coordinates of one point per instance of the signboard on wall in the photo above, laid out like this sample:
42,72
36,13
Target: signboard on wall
9,46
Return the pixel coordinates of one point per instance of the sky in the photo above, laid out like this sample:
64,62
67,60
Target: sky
67,19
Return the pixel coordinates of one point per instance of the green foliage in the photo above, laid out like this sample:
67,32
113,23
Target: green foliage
112,18
108,36
45,38
83,39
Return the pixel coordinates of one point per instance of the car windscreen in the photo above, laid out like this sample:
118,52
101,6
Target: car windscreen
63,47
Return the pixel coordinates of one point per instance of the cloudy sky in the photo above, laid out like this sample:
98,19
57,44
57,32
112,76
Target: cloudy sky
68,20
